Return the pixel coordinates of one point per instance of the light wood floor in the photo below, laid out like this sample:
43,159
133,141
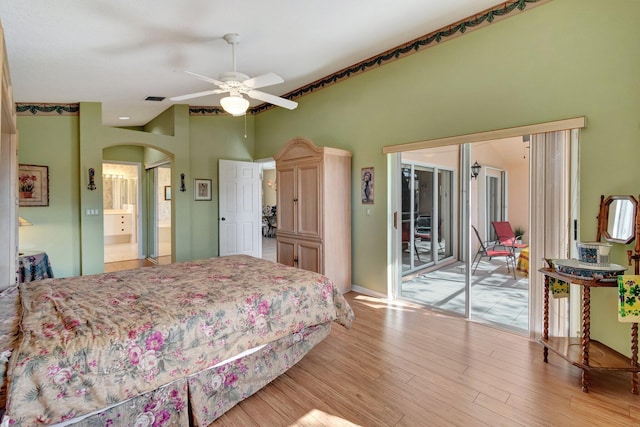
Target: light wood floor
402,365
134,263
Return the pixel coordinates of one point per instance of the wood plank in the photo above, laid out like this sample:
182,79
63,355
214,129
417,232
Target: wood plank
403,365
236,418
263,413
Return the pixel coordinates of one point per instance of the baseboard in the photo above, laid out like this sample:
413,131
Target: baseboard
368,292
117,238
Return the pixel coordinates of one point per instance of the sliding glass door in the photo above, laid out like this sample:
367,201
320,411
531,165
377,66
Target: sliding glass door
427,216
444,265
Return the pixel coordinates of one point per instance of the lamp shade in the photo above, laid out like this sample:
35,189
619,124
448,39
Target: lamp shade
23,222
235,104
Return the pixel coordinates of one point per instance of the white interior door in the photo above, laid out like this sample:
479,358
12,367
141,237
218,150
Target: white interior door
240,218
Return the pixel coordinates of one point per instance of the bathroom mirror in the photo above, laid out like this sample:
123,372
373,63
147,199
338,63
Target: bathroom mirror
618,218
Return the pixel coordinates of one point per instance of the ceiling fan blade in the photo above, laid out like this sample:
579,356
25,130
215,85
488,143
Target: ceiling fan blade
263,80
205,78
197,94
272,99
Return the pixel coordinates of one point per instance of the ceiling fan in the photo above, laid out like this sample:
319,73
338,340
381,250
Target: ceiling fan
238,84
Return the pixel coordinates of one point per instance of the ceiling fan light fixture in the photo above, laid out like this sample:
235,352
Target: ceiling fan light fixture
235,104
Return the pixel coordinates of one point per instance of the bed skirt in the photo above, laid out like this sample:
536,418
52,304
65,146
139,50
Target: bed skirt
200,399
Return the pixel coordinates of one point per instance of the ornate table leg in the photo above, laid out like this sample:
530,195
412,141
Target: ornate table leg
546,317
634,357
586,334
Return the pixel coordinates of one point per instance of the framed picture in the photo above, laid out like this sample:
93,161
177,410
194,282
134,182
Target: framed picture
201,189
367,185
33,185
167,192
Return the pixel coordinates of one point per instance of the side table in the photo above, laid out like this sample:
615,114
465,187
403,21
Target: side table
577,351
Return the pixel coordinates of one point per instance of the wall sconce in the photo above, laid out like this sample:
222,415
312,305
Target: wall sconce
272,185
183,187
92,183
475,170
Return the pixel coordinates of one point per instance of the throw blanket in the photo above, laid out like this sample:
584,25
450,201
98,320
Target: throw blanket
92,341
629,298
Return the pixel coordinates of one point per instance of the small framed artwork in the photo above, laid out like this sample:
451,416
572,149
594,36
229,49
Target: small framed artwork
367,185
167,192
201,189
33,185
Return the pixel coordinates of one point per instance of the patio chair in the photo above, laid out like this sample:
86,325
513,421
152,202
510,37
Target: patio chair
423,230
492,252
406,236
506,236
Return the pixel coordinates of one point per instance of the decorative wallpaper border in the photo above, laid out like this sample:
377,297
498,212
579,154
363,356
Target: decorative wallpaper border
474,22
208,111
23,109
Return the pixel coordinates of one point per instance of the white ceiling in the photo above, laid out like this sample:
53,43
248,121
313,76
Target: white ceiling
118,52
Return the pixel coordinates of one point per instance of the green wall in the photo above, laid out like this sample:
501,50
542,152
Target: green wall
213,138
53,141
563,59
71,145
94,138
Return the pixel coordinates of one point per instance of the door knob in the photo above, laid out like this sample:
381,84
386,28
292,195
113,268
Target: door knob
223,218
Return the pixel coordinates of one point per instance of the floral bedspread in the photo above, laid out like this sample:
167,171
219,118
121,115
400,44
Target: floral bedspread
89,342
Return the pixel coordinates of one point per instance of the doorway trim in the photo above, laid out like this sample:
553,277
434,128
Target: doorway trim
151,234
138,223
574,123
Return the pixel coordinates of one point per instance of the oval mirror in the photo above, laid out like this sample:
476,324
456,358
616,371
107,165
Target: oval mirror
619,223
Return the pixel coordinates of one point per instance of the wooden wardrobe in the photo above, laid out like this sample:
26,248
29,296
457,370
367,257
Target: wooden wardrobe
314,210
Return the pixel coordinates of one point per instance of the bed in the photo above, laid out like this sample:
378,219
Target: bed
177,344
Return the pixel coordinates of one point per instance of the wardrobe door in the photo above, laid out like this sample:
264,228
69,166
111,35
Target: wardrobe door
286,205
309,256
286,251
308,200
